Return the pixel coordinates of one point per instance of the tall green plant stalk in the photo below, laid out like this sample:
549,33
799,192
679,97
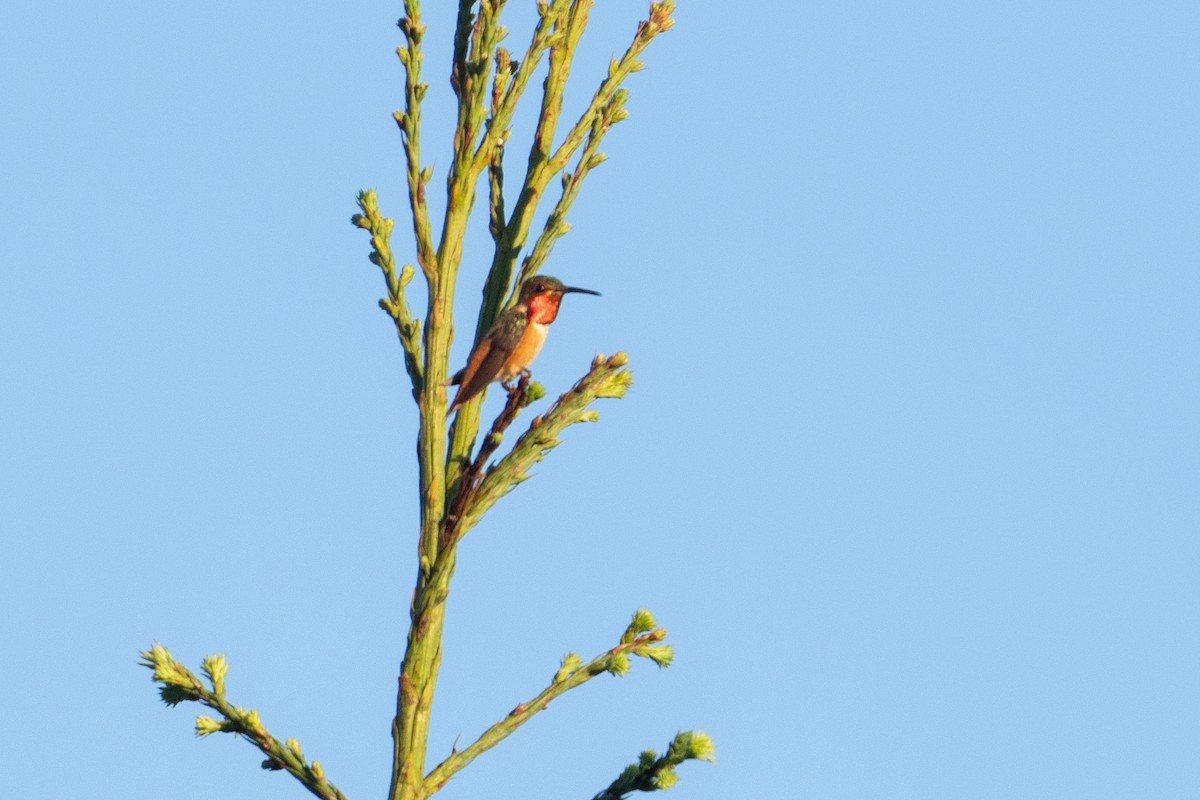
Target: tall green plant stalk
455,488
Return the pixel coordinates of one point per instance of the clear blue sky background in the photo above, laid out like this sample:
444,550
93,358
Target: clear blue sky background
910,469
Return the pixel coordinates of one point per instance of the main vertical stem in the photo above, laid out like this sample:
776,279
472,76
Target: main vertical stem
422,658
418,673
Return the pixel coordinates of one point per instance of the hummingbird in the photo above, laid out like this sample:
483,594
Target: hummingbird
514,340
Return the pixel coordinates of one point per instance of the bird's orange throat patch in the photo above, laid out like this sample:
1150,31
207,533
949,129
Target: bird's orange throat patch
543,308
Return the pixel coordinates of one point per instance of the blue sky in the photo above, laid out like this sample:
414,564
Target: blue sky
909,469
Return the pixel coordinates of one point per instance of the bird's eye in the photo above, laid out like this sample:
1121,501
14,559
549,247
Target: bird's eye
539,287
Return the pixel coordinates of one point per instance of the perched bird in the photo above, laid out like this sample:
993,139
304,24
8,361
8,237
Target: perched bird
514,340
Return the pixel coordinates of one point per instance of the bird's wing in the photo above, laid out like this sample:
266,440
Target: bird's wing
482,368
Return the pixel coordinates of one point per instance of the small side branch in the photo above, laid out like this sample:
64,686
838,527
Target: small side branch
652,772
608,377
496,193
618,70
179,684
556,224
395,304
504,106
496,218
476,37
409,122
641,638
519,396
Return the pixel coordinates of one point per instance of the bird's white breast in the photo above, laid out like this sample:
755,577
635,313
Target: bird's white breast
525,352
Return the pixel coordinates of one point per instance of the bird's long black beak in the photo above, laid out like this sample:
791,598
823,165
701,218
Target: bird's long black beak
577,290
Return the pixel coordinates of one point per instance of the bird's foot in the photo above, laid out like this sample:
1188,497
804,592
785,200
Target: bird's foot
517,388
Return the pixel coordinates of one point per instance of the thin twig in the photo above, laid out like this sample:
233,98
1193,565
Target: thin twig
612,660
468,484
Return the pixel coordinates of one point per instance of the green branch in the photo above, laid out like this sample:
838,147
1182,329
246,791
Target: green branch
519,396
642,638
505,106
607,378
618,70
556,224
503,76
652,772
395,304
179,684
476,38
409,122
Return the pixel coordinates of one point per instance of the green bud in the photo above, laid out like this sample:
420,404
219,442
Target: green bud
665,778
215,668
615,386
294,746
659,654
151,657
618,665
570,663
643,621
701,746
179,683
206,726
534,392
660,15
691,744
